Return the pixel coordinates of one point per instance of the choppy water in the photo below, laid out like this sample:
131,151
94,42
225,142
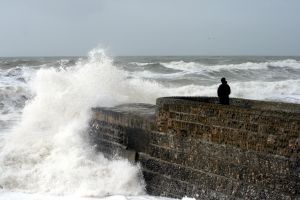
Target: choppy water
45,107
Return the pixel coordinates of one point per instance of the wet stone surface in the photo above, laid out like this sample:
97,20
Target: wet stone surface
195,147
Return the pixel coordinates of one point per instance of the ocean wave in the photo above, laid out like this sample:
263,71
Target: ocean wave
142,63
14,93
47,151
8,63
284,91
154,67
194,67
153,75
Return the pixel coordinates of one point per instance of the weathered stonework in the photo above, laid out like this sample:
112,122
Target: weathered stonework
194,146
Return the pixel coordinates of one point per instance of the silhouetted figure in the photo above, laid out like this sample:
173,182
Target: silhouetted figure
224,92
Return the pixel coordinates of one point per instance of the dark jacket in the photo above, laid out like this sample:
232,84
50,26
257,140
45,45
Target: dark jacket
223,93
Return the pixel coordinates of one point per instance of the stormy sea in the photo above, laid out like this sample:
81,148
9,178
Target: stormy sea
45,105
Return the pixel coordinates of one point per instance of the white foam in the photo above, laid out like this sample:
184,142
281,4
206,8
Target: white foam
141,63
194,67
152,75
47,152
285,91
13,94
23,196
184,66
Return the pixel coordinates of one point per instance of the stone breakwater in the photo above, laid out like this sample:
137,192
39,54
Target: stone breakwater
196,147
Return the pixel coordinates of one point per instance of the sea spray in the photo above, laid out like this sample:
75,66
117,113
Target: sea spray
47,152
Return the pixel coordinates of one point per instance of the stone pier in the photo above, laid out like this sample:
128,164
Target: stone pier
193,146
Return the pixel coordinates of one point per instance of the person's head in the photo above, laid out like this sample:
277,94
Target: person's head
223,80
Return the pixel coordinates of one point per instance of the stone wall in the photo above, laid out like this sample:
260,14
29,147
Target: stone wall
196,147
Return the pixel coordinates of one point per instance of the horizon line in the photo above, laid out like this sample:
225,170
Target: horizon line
153,55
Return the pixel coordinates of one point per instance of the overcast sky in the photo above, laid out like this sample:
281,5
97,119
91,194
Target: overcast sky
150,27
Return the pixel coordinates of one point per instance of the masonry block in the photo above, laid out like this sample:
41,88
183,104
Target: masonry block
192,146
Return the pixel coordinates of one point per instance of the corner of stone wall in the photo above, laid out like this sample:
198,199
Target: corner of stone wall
197,147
